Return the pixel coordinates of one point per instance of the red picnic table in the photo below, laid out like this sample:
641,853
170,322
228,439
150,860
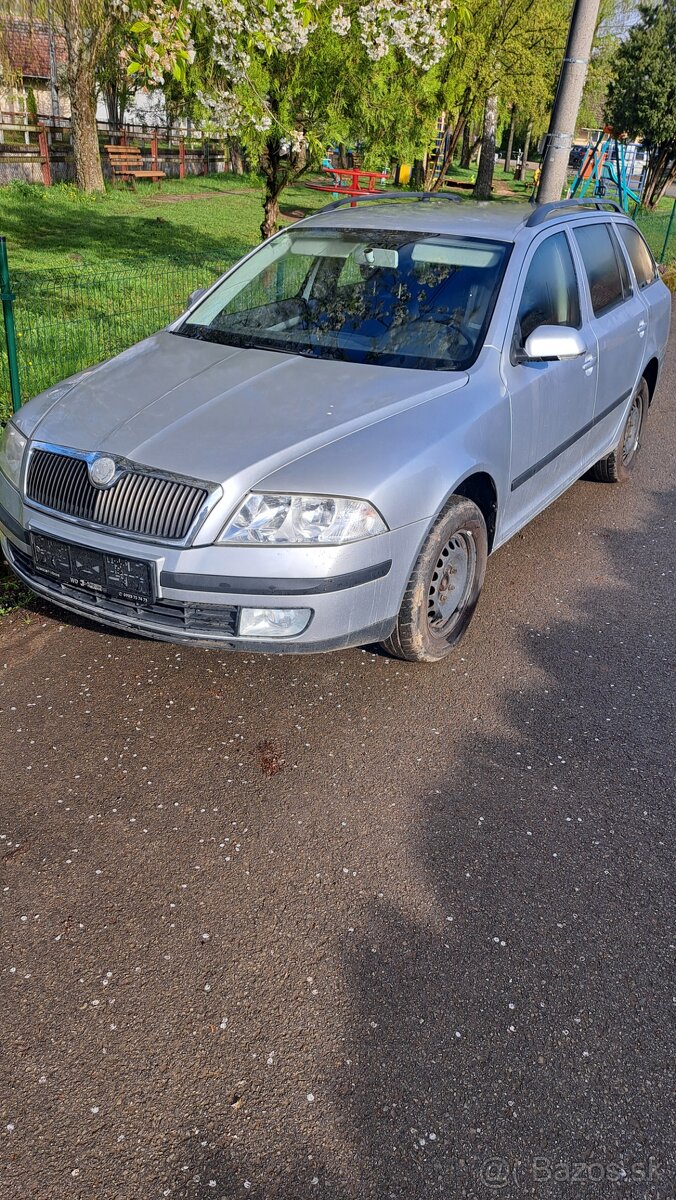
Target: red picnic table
350,181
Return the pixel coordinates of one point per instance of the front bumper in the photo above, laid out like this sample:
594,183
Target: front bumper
354,592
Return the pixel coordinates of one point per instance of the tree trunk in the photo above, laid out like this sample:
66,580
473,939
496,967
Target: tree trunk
526,147
417,175
88,173
510,139
109,93
661,189
270,211
465,156
236,156
271,164
115,96
83,44
342,156
661,168
436,184
484,177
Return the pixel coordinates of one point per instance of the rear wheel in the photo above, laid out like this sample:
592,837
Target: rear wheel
617,466
444,588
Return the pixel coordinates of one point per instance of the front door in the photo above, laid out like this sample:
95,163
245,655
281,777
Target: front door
552,403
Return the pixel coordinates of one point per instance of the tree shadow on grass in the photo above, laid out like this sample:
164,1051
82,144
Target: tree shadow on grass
142,238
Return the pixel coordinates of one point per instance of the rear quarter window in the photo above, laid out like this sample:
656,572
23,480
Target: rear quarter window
645,268
601,265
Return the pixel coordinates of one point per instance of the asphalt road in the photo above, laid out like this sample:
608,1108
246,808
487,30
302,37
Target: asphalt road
347,927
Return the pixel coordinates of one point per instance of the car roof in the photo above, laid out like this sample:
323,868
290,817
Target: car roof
445,214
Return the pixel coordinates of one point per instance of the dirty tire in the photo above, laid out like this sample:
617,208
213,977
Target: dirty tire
444,588
617,466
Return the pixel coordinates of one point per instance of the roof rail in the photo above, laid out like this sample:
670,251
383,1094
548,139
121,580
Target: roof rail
543,212
389,196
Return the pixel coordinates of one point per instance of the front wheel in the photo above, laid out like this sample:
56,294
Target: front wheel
617,466
444,588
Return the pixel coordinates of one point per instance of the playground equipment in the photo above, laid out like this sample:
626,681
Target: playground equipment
609,165
350,181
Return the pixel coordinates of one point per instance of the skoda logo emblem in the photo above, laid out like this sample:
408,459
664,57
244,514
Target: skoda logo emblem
102,471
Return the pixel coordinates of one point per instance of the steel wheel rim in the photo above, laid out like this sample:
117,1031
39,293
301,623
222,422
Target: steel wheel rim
632,429
451,583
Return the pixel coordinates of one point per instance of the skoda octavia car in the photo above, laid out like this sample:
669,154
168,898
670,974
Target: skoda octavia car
324,449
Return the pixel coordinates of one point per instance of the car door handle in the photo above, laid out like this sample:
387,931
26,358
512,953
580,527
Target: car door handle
590,361
642,326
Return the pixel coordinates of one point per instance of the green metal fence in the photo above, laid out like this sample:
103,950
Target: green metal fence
659,230
66,321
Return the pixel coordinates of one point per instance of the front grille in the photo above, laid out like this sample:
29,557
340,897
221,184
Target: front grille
136,503
218,619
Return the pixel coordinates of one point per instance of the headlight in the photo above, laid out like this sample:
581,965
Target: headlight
12,446
302,521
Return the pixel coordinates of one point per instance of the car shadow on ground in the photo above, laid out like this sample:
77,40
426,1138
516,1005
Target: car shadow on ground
508,997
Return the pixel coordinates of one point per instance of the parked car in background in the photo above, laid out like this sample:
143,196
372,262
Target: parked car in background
576,156
325,448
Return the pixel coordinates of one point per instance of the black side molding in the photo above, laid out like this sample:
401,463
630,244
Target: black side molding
544,462
253,586
12,526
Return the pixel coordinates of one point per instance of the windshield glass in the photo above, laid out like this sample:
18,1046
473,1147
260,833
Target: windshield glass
391,298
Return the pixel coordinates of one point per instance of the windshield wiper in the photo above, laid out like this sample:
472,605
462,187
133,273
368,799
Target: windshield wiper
196,332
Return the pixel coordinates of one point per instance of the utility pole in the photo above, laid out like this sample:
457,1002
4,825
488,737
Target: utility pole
567,102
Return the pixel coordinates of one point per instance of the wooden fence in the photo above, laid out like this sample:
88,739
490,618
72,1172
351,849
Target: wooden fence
42,152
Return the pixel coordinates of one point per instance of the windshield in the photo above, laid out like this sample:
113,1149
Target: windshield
394,299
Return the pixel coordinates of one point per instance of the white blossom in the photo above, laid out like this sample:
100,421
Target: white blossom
340,22
239,28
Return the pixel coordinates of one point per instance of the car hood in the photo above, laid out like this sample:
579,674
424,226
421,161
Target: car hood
216,412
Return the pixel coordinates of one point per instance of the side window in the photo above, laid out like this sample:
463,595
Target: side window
627,289
602,266
641,259
350,273
550,294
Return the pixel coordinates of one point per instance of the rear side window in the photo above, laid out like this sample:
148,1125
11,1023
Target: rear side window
550,294
602,266
641,259
627,289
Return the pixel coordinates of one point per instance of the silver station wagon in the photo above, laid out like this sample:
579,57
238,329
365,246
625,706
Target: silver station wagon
324,449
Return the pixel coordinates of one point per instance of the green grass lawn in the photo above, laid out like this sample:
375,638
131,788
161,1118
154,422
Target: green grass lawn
213,219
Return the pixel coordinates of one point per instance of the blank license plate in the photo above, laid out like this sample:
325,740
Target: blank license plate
106,574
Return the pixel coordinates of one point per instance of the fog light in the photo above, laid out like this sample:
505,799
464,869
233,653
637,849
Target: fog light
273,622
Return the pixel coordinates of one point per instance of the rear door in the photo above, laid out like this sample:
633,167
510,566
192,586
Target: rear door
653,292
619,322
552,403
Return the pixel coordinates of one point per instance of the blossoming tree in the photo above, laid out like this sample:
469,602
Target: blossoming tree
286,76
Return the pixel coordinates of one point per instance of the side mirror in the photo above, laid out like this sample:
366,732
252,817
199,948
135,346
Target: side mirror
195,296
553,342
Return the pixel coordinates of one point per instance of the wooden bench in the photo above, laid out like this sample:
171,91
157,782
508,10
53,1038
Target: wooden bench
126,163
